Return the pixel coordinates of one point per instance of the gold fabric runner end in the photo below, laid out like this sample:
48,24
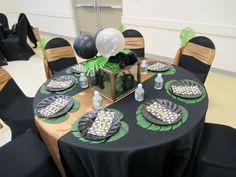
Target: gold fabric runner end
58,53
204,54
134,43
4,78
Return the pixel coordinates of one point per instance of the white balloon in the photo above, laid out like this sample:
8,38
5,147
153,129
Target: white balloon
109,42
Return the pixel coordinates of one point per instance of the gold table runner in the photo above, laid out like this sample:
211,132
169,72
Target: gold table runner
51,133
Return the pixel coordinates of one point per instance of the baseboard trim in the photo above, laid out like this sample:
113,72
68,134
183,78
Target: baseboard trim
57,35
213,69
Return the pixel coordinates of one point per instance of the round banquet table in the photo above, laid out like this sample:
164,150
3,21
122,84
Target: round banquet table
141,152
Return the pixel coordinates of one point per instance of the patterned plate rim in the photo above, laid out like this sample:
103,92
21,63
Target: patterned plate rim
154,119
95,137
159,70
62,111
60,89
187,96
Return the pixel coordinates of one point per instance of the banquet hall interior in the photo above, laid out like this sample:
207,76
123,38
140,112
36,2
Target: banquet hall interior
117,47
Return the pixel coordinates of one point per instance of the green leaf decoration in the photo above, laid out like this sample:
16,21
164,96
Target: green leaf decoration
45,91
76,106
126,51
185,100
146,124
121,115
122,28
124,129
95,64
170,71
55,120
42,44
112,67
185,35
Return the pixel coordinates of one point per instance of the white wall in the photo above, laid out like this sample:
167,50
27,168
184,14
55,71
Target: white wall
52,16
160,21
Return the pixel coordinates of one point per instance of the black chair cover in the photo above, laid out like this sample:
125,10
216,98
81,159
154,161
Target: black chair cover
192,64
26,156
217,155
5,25
16,109
62,63
30,32
16,46
131,33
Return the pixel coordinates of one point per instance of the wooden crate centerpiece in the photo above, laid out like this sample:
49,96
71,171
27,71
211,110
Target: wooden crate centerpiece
114,82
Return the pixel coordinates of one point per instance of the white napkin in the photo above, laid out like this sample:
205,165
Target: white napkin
5,133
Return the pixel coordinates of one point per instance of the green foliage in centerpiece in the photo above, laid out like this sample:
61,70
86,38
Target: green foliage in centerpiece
186,34
42,44
122,28
112,67
95,64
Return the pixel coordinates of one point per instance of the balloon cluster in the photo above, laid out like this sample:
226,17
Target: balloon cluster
123,59
108,42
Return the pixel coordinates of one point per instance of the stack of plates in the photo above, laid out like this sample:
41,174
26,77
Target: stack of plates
187,89
158,66
60,83
79,68
54,106
98,125
161,111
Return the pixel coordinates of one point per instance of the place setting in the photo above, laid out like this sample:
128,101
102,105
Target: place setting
160,67
100,126
60,84
54,109
161,115
185,90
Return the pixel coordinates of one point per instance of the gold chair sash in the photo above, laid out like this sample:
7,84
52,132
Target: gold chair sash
204,54
4,78
58,53
134,42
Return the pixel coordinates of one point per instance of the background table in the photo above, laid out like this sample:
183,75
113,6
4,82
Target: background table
141,153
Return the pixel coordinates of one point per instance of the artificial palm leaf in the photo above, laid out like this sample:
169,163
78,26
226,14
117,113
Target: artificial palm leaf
122,28
42,44
186,34
95,64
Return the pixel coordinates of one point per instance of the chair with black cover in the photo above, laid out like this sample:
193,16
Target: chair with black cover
134,41
5,25
30,32
197,56
16,47
217,154
58,55
26,156
15,108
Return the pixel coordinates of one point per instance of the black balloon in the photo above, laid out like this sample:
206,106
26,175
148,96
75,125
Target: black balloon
85,47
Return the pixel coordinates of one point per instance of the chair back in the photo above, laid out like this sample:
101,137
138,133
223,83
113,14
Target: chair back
58,55
134,41
22,30
197,56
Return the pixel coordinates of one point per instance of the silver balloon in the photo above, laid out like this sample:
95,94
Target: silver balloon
109,42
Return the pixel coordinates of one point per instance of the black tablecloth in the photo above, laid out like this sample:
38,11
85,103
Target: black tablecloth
141,153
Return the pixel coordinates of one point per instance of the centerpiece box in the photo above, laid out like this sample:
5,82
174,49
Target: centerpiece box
115,85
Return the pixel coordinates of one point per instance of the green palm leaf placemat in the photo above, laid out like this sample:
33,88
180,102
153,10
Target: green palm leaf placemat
46,92
146,124
64,117
170,71
124,128
185,100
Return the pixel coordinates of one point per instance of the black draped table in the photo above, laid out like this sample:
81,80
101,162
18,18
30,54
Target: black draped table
141,152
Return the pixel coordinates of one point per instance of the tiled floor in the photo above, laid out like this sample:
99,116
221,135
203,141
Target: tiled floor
221,88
